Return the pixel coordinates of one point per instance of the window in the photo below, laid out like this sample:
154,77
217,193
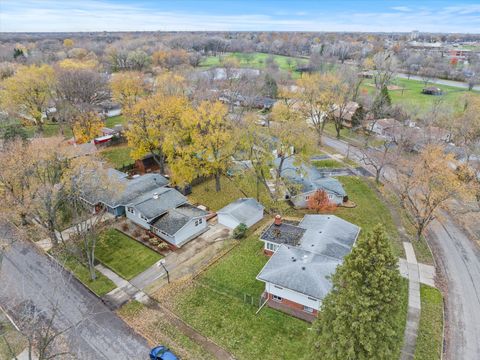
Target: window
196,222
272,247
307,309
143,217
307,197
130,210
330,196
200,221
277,298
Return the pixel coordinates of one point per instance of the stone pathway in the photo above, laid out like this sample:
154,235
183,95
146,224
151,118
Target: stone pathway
414,308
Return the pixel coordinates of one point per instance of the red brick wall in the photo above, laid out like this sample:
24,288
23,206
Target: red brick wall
292,308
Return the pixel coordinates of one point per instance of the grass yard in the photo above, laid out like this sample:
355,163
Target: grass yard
328,163
115,120
412,95
370,210
429,340
100,286
12,342
215,307
257,60
124,255
49,130
117,156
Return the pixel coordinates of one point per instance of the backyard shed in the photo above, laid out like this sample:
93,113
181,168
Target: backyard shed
246,211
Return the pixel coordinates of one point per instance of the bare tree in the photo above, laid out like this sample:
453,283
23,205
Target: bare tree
378,159
385,66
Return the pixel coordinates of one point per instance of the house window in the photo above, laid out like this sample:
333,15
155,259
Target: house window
307,197
330,196
200,221
130,210
272,247
143,217
277,298
307,309
196,223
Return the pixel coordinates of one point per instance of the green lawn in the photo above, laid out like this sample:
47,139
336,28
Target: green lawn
123,254
328,163
49,129
118,156
370,210
242,264
101,286
429,340
216,308
115,120
412,95
12,342
257,60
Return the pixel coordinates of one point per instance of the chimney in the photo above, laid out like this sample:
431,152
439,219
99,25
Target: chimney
278,220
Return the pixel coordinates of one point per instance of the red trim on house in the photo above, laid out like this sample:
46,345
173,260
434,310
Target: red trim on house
291,308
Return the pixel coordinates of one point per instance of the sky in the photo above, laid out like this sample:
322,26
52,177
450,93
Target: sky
234,15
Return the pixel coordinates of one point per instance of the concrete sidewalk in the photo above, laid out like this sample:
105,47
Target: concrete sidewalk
414,307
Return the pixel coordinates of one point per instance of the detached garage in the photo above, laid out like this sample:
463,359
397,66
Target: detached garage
246,211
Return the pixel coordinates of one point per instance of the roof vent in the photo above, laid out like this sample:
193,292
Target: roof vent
303,267
155,196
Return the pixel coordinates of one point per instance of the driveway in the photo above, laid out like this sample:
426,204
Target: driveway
28,275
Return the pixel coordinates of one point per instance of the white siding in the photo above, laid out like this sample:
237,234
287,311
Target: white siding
292,296
190,231
135,217
300,201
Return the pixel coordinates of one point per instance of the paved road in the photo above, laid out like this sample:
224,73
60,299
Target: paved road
458,260
453,83
28,275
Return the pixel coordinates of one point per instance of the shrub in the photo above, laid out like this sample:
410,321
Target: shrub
154,241
136,233
240,231
162,246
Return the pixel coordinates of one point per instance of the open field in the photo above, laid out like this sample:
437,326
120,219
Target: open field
257,60
415,101
123,254
429,341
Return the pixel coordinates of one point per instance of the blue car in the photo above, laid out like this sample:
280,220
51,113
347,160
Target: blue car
162,353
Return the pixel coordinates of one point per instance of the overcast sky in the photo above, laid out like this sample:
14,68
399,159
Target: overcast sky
246,15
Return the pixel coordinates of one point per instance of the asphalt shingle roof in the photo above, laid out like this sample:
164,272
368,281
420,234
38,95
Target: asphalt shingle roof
242,209
158,201
299,270
283,234
175,219
309,178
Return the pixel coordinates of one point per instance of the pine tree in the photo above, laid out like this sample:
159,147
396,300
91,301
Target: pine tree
358,318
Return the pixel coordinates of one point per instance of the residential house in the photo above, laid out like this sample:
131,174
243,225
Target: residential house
124,190
246,211
167,214
304,256
303,181
352,114
387,128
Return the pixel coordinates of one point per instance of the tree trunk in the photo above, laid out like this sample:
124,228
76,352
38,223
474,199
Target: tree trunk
337,129
217,181
377,176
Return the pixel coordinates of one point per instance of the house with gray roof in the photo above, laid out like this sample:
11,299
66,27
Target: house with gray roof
167,213
303,258
303,181
246,211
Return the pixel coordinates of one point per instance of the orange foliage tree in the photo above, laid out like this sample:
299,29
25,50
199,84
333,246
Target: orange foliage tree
320,202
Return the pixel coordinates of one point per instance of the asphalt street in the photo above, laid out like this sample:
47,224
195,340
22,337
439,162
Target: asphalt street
94,332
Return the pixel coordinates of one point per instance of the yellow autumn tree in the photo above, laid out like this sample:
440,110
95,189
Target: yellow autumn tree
87,126
150,120
28,92
75,64
68,43
203,144
170,84
127,87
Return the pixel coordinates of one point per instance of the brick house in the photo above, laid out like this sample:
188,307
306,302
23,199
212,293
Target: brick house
303,256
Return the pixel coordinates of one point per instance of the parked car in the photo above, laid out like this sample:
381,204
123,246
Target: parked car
162,353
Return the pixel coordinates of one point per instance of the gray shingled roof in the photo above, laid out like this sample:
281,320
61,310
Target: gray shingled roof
308,177
174,219
300,270
127,190
328,235
283,234
158,201
242,209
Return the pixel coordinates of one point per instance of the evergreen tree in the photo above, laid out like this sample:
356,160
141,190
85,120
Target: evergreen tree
381,103
270,88
358,318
